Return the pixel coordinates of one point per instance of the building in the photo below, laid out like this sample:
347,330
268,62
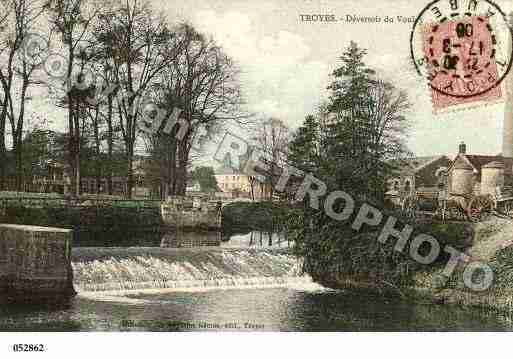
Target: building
479,174
418,174
239,184
466,174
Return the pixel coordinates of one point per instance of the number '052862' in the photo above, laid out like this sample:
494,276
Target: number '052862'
28,347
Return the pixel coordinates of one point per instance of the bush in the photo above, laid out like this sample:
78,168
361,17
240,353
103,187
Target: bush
332,249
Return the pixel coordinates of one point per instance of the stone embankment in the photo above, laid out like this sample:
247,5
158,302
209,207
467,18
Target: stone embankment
35,264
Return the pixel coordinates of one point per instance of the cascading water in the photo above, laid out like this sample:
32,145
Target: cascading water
114,270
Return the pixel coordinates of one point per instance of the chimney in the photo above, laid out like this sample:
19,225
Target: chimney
462,148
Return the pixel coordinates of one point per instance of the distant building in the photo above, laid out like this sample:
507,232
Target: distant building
479,174
419,174
466,174
239,184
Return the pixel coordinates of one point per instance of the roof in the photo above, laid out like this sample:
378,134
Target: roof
479,161
226,171
494,164
415,164
462,164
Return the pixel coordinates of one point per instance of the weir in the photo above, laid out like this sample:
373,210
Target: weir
125,269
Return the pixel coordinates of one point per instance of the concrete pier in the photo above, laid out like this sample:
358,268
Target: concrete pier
35,264
185,213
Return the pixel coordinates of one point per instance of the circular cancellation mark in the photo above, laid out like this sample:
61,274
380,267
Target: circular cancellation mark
463,47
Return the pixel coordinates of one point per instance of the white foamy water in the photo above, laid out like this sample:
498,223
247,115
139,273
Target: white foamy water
187,271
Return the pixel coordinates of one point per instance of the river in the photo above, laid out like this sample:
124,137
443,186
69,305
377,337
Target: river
246,283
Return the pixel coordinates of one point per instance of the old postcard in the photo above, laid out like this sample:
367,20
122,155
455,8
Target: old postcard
255,166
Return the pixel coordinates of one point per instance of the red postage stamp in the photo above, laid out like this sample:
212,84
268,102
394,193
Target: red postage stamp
462,61
463,51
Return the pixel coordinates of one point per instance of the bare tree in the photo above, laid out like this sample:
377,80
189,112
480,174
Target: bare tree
140,45
203,83
272,139
16,74
5,11
71,19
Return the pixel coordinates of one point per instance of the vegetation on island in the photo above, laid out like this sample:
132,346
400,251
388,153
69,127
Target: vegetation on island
349,145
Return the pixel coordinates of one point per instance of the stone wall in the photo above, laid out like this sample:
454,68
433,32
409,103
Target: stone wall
35,263
189,214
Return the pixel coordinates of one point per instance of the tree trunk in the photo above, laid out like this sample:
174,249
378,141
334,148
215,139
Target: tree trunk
3,150
110,142
98,166
17,150
130,170
183,160
77,153
171,167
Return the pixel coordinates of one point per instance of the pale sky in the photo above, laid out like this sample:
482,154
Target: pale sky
286,63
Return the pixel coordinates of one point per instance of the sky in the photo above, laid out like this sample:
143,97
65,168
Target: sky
286,63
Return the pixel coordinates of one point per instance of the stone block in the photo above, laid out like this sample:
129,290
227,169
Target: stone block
35,263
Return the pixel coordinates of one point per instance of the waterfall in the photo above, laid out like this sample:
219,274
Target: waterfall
120,270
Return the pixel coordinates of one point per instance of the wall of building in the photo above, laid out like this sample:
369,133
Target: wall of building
462,181
491,178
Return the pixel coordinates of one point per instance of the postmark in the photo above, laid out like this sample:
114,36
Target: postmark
463,49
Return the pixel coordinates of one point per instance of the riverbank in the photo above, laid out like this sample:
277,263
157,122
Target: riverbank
490,243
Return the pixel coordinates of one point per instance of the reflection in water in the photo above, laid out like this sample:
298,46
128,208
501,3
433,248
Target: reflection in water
182,239
253,309
258,239
253,239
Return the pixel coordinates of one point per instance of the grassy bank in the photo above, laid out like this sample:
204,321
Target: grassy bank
92,225
372,267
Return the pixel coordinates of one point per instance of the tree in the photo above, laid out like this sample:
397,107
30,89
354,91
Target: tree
205,177
272,140
360,129
71,20
202,83
140,45
16,74
304,152
366,127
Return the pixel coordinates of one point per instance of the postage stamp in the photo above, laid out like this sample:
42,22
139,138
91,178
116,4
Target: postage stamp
463,49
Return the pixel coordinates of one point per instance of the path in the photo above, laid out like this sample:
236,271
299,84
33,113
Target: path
484,248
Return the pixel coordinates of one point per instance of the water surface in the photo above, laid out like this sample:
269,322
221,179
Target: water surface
271,309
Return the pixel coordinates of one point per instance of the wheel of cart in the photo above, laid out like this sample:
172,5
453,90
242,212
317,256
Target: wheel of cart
503,202
505,206
480,207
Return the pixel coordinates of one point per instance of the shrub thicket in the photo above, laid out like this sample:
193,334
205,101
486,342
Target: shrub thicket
332,249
